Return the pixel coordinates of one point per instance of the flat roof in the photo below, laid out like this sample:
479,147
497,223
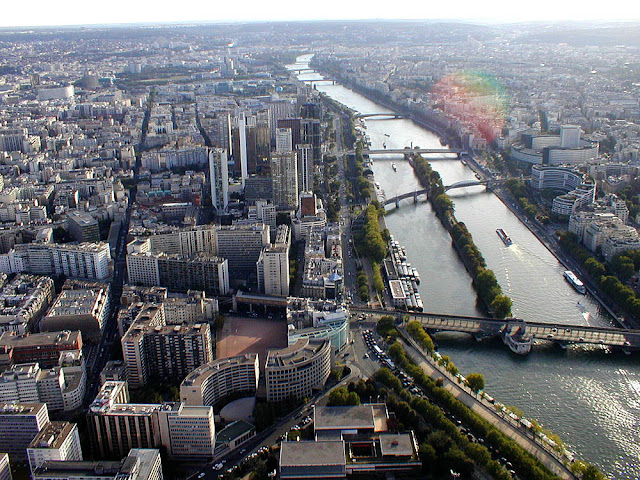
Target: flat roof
301,454
233,431
52,435
344,418
370,416
197,376
396,444
65,337
54,468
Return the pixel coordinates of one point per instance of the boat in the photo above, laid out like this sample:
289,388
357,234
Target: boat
443,142
504,237
387,135
574,281
395,167
384,145
518,341
463,161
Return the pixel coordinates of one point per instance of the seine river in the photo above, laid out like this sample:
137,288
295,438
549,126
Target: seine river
588,396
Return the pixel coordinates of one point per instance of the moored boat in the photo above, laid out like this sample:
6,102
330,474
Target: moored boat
574,281
518,341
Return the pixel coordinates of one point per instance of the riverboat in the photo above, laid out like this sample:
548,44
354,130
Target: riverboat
518,341
574,281
504,237
395,167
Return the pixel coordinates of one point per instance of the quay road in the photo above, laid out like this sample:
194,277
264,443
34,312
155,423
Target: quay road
563,334
484,409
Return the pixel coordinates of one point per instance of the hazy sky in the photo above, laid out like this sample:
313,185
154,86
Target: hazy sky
74,12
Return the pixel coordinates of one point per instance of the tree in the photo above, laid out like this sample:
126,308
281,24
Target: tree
475,382
385,325
340,396
427,456
501,306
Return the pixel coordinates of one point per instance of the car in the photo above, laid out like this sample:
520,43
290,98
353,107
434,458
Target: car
201,475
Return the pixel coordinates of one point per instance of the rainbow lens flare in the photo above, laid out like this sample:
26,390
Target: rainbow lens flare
476,100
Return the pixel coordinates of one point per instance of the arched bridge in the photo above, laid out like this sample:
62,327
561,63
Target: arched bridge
562,334
466,183
374,115
396,200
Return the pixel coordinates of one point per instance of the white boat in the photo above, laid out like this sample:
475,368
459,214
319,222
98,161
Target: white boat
574,281
504,237
395,167
518,341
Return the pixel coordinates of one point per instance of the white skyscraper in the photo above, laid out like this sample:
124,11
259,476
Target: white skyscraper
219,175
305,167
284,142
242,132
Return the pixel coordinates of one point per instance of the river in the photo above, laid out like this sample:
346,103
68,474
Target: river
590,397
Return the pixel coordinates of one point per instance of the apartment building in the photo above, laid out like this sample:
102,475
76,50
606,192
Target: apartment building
214,381
298,370
56,441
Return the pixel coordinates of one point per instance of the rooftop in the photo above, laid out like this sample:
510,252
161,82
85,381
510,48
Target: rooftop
53,435
233,431
301,351
369,416
297,454
396,444
198,375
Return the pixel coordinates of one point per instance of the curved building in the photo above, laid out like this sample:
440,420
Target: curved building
212,382
297,370
578,194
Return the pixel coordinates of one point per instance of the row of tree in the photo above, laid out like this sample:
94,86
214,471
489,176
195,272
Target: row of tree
527,466
484,279
370,241
609,277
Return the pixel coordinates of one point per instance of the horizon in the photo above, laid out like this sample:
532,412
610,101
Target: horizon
119,13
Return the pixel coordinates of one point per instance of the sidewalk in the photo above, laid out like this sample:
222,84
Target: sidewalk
484,409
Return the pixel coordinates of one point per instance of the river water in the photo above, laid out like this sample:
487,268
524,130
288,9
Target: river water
588,396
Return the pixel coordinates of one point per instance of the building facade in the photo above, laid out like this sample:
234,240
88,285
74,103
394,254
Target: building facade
214,381
298,370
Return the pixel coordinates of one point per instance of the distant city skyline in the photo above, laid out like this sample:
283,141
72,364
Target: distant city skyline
74,12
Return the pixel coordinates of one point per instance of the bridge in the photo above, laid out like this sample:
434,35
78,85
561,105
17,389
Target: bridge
374,115
303,70
396,200
481,327
409,151
415,194
466,183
